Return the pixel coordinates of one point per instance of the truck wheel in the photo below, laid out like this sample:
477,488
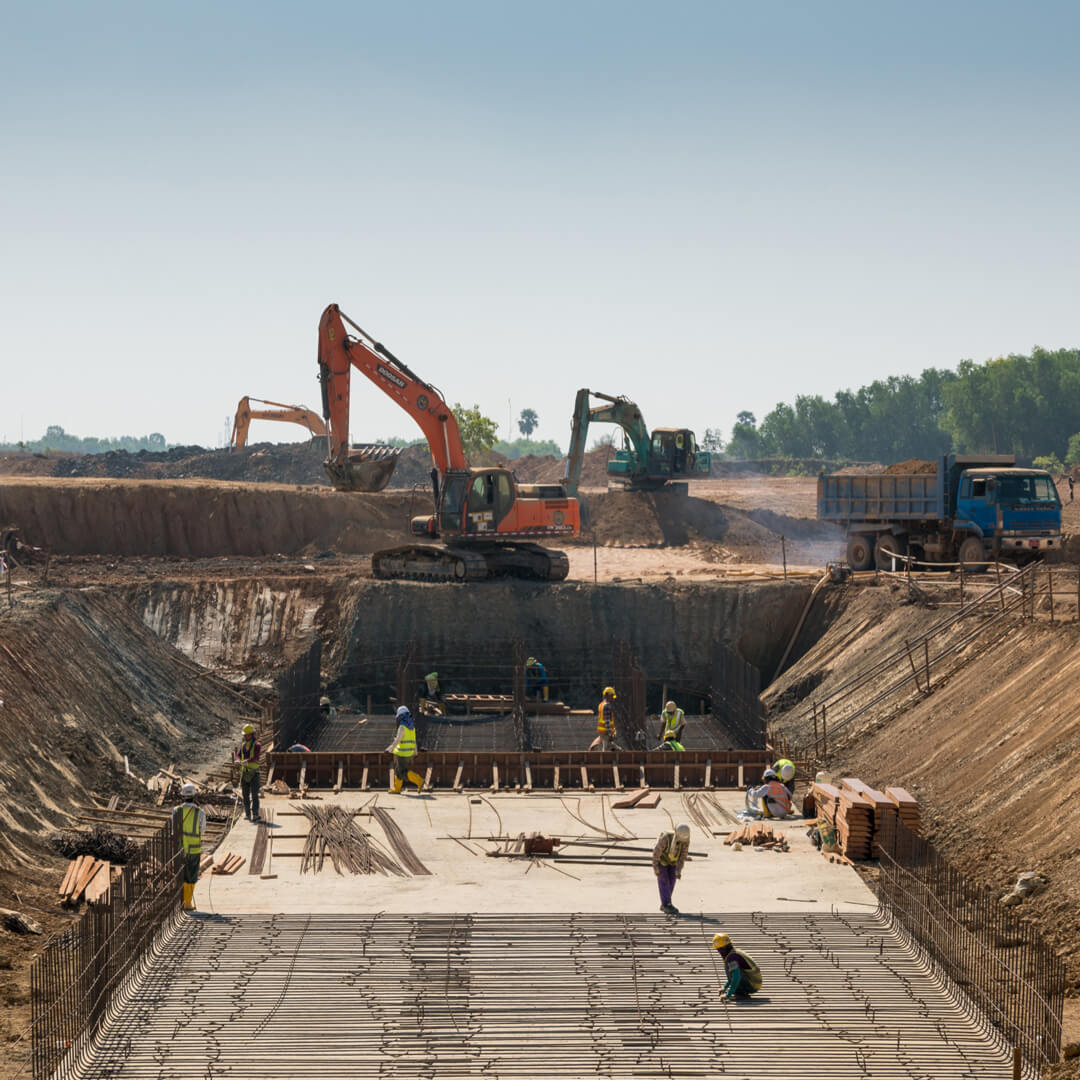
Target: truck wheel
971,555
886,547
860,553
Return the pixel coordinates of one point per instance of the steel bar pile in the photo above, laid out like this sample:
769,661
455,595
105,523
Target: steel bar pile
524,996
334,832
398,841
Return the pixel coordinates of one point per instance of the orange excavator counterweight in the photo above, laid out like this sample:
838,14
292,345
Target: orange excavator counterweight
490,524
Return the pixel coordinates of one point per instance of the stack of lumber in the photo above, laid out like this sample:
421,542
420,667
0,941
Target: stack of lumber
883,810
758,834
641,799
226,863
907,807
88,878
850,814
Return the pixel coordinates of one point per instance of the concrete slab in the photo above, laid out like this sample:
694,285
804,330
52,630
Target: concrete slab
464,879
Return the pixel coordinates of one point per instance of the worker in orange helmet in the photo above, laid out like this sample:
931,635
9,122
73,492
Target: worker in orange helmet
605,722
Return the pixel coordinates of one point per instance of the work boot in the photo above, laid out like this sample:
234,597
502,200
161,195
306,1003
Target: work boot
189,897
671,909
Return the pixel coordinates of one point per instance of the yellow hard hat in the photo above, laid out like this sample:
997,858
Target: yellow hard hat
670,707
609,691
432,675
531,662
248,729
720,940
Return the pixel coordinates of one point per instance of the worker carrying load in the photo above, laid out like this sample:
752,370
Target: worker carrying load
605,722
190,820
536,679
404,750
668,857
743,975
772,799
248,756
431,699
674,720
785,771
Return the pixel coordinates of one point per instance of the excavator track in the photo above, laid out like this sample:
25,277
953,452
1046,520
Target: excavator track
460,564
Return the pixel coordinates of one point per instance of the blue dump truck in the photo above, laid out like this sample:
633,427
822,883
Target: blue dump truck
973,508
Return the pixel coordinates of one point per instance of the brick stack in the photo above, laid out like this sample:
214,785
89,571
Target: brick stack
907,808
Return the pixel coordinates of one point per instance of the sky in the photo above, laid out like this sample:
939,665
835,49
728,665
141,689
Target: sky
707,207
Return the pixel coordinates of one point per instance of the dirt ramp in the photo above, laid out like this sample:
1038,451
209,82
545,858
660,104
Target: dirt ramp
201,518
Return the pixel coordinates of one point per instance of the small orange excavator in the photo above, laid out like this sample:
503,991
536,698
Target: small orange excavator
488,521
295,414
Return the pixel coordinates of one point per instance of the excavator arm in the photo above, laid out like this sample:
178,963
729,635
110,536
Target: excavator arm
365,469
619,410
295,414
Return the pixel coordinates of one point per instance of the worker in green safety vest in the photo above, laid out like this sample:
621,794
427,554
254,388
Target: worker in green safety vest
404,750
190,821
674,720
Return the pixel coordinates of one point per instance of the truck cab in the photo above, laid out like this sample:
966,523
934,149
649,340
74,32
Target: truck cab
1020,507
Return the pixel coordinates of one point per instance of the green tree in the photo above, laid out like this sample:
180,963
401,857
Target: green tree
478,432
1072,455
745,440
1050,462
527,422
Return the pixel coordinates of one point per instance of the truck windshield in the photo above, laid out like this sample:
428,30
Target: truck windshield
1025,489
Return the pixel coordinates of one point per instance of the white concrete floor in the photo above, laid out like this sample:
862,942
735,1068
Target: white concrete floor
464,879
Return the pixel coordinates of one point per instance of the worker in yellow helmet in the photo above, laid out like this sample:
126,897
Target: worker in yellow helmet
189,820
248,756
605,722
674,721
743,974
668,857
536,679
431,699
404,750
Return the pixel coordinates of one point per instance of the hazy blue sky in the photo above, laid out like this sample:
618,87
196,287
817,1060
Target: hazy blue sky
706,206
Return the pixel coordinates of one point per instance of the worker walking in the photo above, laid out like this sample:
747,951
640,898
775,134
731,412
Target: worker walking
772,797
785,771
667,862
404,750
248,756
536,679
190,820
674,720
605,722
743,974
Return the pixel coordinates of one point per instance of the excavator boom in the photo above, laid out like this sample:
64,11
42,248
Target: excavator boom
366,469
295,414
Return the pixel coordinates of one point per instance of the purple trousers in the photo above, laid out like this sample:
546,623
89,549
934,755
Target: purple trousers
666,880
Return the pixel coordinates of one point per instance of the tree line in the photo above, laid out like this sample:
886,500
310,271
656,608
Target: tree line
1025,405
56,438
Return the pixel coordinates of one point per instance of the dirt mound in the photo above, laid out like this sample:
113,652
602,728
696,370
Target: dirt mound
911,466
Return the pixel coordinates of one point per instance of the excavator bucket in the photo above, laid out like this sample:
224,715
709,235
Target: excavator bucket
366,468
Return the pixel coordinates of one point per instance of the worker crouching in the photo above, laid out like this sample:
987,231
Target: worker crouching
671,734
190,820
668,858
772,797
743,975
404,750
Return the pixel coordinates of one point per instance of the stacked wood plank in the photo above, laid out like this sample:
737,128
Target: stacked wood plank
86,878
226,863
907,807
850,814
631,799
758,834
883,810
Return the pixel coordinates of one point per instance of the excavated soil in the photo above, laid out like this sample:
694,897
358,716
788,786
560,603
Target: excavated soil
912,465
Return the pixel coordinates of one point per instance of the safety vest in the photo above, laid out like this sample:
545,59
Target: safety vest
778,794
407,746
667,858
785,769
432,684
248,765
605,719
672,722
751,973
190,830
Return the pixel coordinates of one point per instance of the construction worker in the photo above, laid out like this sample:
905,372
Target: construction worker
190,820
673,720
743,975
536,679
773,797
667,862
328,711
785,771
248,756
431,699
605,722
404,750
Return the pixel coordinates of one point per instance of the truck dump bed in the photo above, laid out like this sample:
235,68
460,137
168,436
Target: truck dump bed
883,497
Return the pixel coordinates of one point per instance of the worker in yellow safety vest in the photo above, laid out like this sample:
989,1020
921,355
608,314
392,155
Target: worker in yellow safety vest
743,974
668,858
248,756
190,820
605,722
785,771
671,733
404,750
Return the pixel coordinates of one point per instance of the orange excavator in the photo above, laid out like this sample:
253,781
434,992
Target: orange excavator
488,522
295,414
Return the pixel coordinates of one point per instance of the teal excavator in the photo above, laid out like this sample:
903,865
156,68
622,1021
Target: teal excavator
665,459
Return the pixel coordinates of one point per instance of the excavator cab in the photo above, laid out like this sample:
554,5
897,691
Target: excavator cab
674,452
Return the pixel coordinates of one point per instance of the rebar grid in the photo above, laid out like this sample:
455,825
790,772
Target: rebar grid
536,995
